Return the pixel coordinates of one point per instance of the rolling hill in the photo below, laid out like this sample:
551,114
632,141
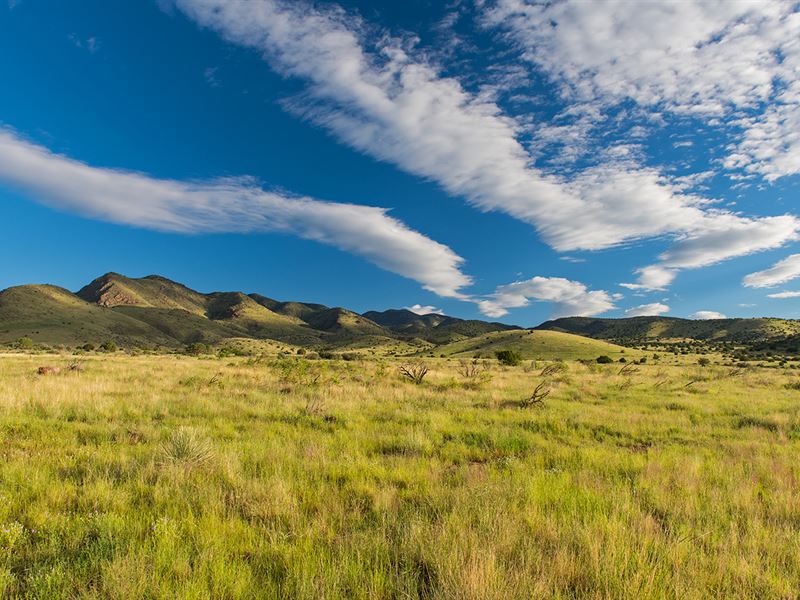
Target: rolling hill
154,311
533,344
634,329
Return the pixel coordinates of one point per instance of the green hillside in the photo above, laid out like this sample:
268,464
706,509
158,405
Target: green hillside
113,289
650,328
53,315
532,344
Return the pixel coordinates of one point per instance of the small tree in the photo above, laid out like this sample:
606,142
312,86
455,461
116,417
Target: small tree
508,357
24,343
109,347
197,348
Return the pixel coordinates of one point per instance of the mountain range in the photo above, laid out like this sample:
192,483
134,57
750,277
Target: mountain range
154,311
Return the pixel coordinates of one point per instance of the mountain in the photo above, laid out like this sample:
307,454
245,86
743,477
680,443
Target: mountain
53,315
669,328
113,289
434,328
156,311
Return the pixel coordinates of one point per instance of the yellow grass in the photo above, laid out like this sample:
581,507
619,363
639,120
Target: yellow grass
176,477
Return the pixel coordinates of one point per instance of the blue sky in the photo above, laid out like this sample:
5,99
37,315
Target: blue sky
492,159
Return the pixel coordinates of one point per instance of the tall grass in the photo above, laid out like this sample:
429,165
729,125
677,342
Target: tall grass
170,477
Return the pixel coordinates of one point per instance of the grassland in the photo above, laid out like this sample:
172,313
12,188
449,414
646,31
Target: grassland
178,477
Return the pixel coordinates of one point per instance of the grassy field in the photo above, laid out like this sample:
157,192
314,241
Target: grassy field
178,477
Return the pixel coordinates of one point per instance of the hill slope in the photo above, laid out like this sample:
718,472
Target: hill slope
51,315
532,344
649,328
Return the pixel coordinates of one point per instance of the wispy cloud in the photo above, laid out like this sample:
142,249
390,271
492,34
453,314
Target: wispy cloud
708,60
781,272
227,205
569,298
380,96
647,310
90,44
784,295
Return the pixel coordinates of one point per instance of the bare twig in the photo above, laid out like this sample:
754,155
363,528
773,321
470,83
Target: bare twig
415,372
628,369
538,396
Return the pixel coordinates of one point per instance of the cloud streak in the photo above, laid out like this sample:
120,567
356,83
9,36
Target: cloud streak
227,205
782,271
376,94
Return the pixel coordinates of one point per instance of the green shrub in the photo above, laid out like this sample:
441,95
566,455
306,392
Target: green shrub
703,361
24,343
508,357
109,347
197,348
604,360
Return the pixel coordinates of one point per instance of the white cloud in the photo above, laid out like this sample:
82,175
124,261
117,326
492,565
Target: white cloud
419,309
706,59
393,105
707,314
781,272
647,310
570,298
227,205
652,278
783,295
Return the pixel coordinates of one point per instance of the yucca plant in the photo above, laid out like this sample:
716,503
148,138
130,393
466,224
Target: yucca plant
186,447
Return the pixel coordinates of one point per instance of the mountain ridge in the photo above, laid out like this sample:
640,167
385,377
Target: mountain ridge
154,311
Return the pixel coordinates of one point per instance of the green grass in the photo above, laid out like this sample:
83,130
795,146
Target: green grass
536,345
173,477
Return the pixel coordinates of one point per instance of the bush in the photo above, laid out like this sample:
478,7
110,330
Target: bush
24,343
88,347
703,361
604,360
198,348
508,357
109,347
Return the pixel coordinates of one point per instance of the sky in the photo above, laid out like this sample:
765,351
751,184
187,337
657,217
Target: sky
497,159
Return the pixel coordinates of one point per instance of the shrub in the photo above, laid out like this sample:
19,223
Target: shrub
508,357
604,360
109,347
703,361
24,343
198,348
88,347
